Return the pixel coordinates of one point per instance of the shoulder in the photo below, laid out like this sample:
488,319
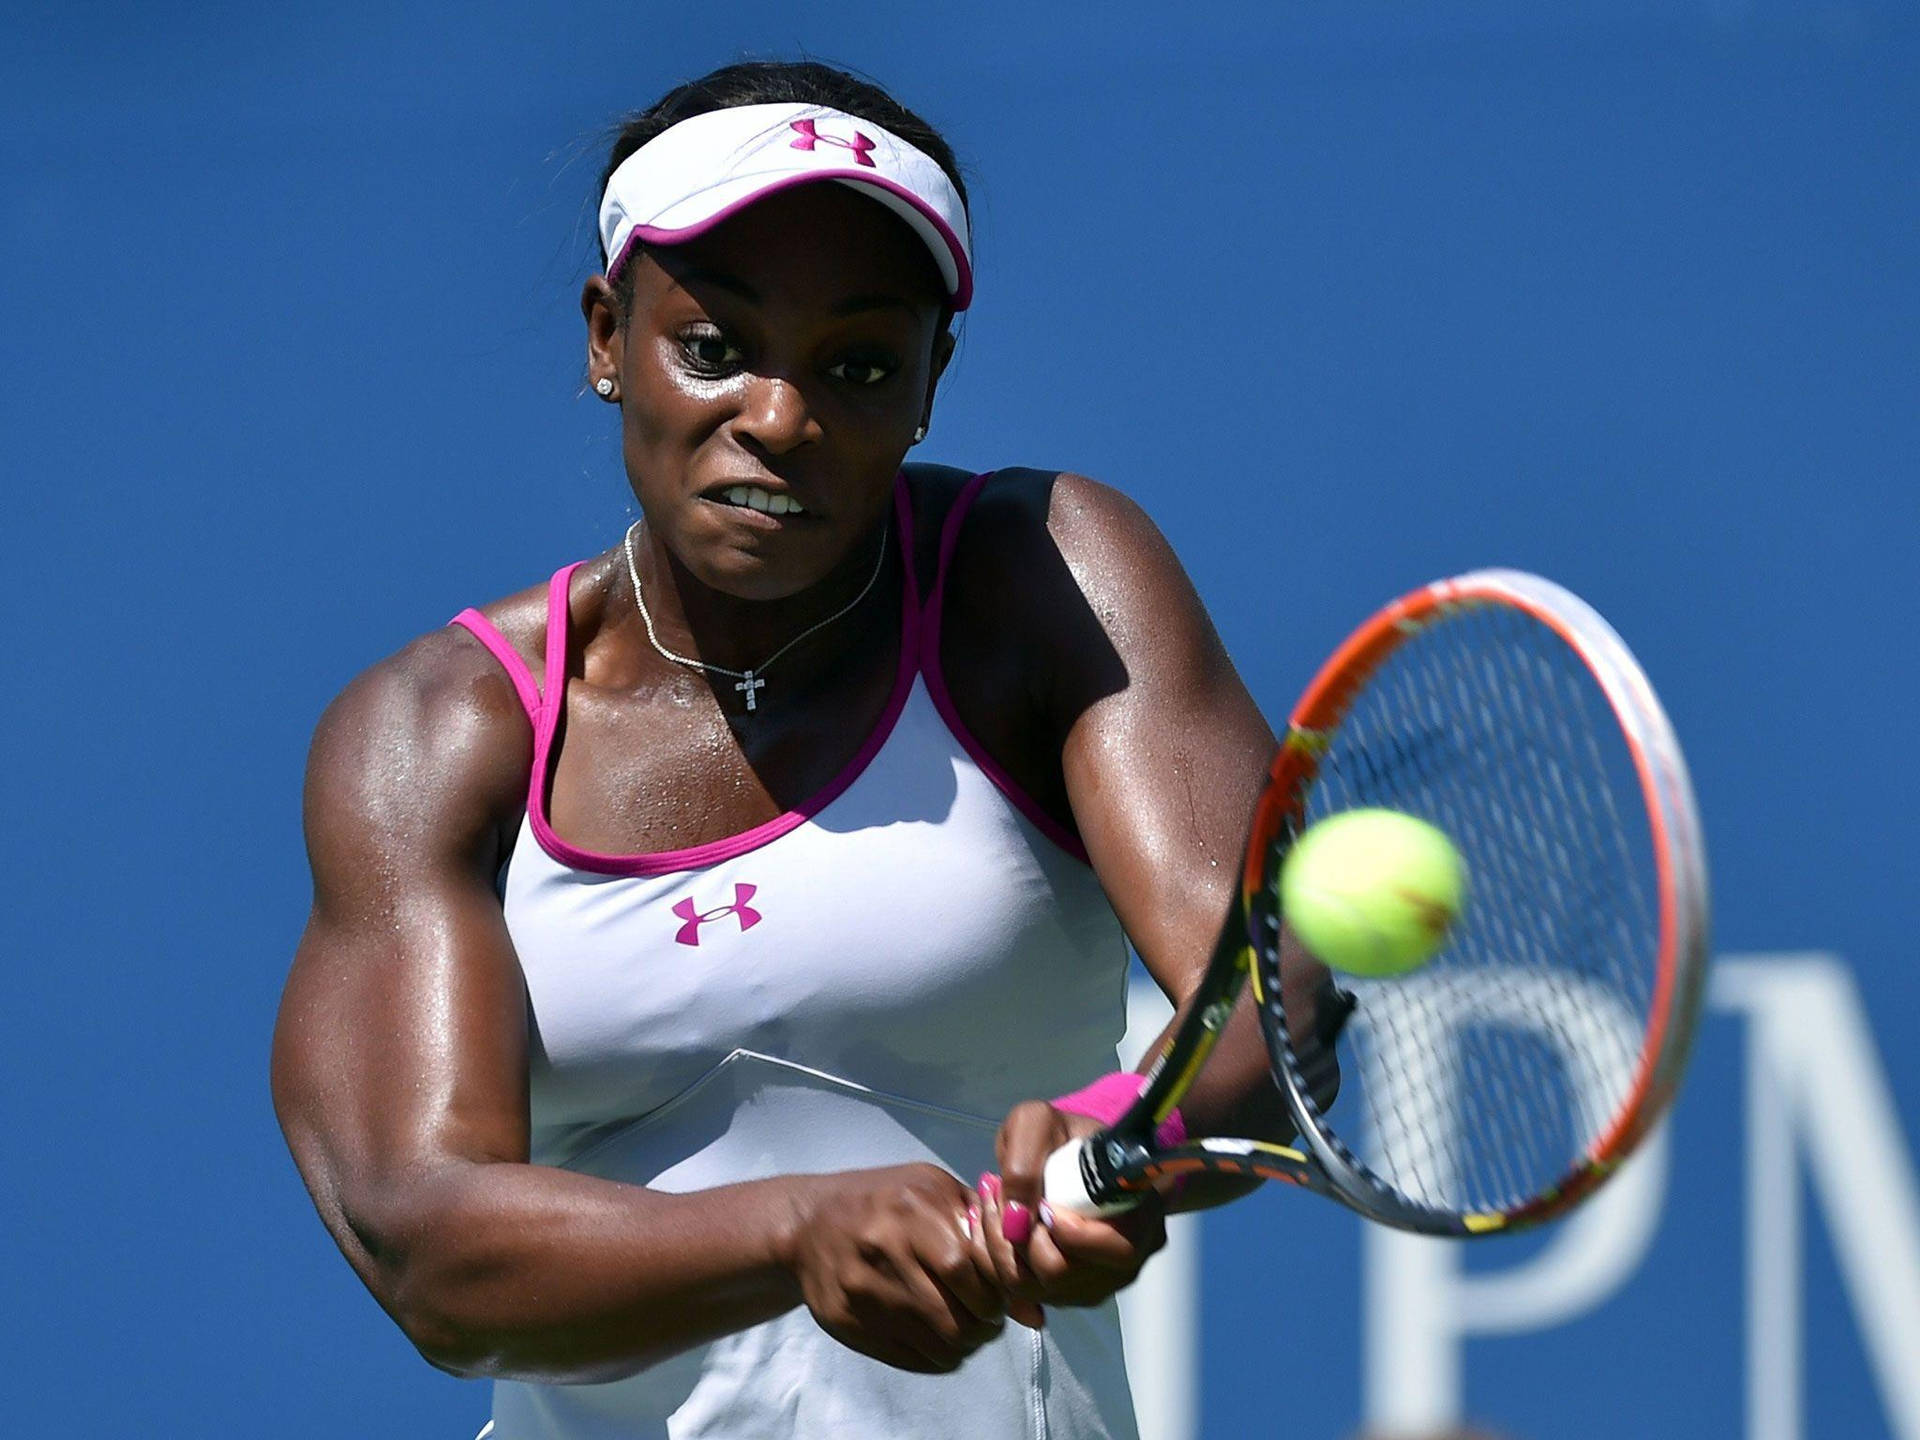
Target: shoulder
1032,539
521,618
1025,509
427,750
1056,586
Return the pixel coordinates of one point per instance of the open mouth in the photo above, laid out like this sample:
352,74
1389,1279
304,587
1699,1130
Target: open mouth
752,497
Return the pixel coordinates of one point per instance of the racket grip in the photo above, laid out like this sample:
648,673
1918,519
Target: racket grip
1064,1184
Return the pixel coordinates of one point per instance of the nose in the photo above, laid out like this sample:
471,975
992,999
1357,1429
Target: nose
776,416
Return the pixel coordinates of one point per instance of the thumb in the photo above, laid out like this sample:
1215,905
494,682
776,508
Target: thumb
1029,1134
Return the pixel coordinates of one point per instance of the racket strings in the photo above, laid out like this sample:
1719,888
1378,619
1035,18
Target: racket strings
1483,1077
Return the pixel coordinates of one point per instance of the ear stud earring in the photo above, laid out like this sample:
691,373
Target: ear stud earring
604,387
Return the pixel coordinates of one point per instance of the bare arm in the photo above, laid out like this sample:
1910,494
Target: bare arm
399,1075
1163,756
1134,722
1162,774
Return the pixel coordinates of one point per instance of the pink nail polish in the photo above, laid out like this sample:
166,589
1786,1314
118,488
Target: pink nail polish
989,1186
1046,1214
973,1221
1016,1223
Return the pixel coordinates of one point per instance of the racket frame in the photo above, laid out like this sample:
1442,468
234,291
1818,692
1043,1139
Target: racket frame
1117,1165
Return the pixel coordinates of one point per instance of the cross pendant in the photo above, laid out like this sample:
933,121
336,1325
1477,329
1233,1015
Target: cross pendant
749,684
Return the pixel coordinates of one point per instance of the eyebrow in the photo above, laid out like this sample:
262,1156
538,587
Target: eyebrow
734,285
856,304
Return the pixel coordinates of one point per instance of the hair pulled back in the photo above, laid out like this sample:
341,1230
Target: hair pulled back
774,82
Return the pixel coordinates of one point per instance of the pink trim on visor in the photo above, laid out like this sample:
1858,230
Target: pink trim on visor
896,197
709,167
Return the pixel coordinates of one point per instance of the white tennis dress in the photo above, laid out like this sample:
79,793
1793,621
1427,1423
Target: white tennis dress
872,978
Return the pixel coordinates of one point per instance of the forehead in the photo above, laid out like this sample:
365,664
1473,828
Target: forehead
810,245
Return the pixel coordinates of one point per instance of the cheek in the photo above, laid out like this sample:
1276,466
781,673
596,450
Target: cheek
669,412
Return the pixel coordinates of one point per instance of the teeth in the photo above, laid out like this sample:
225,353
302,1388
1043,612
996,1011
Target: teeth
752,497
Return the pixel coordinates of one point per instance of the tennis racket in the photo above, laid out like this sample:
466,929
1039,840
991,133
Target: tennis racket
1503,1081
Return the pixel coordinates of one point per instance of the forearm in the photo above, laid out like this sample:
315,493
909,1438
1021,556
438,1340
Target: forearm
1234,1093
537,1273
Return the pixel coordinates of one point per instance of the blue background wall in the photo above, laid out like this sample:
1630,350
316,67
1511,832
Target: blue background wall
1349,296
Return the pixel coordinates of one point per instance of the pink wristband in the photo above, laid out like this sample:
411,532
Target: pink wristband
1109,1097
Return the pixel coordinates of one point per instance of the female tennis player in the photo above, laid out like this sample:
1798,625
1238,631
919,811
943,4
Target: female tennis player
869,768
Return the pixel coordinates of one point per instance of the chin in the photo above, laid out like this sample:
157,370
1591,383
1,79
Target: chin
756,570
756,556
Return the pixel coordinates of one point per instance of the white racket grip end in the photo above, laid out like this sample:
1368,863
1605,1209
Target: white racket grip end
1065,1185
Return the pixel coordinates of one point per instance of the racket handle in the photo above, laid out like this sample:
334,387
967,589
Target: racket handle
1064,1184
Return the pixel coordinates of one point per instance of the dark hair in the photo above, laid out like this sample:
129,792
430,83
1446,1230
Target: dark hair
773,82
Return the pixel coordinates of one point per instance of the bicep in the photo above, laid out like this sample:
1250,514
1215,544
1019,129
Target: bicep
401,1042
1162,771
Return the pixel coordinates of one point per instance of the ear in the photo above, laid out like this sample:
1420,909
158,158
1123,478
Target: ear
606,334
943,344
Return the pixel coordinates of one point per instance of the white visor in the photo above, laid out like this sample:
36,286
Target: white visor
689,178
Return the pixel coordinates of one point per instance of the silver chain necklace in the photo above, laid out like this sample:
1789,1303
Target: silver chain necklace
749,681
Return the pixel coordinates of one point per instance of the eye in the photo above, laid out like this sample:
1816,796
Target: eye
709,351
862,371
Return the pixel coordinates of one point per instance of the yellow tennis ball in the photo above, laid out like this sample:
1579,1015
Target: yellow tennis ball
1372,892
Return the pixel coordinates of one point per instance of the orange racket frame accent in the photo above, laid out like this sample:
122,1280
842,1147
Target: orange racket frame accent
1679,864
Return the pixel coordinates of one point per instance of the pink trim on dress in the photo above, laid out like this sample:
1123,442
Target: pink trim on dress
668,862
936,679
482,629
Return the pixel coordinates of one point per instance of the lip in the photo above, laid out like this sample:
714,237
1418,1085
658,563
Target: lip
717,495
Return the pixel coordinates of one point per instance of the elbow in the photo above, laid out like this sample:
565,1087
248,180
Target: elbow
456,1298
424,1269
454,1336
468,1349
446,1339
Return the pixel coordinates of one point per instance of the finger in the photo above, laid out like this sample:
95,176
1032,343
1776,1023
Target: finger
1030,1133
899,1298
887,1326
957,1260
1052,1269
860,1321
945,1316
1025,1312
1014,1276
1069,1279
927,1309
934,1260
888,1352
1120,1243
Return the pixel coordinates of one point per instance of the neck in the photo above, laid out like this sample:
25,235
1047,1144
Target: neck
696,621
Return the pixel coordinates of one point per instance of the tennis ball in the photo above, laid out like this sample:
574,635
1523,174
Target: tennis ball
1372,892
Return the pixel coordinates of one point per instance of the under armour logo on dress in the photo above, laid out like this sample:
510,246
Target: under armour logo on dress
810,137
689,933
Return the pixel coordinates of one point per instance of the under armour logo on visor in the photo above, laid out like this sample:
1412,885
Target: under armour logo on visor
810,137
689,933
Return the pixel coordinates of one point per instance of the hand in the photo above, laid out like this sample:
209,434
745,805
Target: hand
1065,1259
891,1265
